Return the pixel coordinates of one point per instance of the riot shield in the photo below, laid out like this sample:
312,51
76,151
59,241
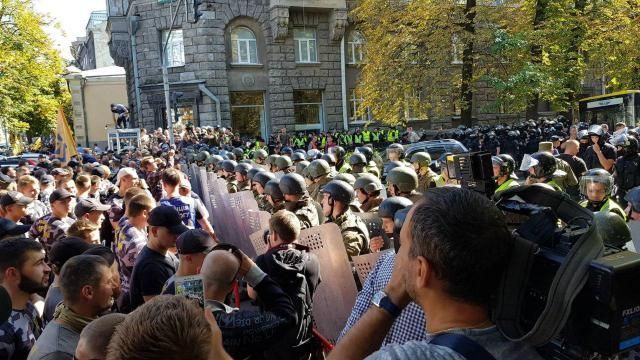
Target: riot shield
258,220
365,263
257,240
634,228
373,222
194,178
337,293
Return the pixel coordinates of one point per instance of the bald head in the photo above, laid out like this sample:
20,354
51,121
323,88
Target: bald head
218,271
95,337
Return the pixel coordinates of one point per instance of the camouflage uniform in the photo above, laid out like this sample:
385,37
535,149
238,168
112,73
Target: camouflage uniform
263,203
232,186
428,180
246,186
306,211
354,234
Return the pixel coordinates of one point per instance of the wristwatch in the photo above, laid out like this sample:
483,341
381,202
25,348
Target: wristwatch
381,300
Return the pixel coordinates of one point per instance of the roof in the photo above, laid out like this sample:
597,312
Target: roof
604,96
100,72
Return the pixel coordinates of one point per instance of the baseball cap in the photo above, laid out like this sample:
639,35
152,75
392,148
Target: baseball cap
167,216
60,171
14,197
10,228
87,205
194,241
126,171
60,194
46,179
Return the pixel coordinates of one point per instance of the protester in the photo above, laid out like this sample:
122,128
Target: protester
23,273
52,227
86,230
90,209
192,246
155,264
87,289
450,266
96,336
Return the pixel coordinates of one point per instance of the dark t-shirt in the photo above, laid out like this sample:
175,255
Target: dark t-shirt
150,272
591,158
577,165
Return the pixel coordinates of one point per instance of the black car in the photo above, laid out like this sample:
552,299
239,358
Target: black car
435,148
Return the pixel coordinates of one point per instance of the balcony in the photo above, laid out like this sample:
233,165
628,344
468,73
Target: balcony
119,39
279,16
311,4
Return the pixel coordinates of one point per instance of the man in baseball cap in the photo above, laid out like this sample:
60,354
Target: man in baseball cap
14,205
91,209
193,246
155,264
9,229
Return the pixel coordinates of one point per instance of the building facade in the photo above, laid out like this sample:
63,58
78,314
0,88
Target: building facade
253,65
92,51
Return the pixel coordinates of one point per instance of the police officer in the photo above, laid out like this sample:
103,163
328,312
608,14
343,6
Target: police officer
369,155
229,167
542,168
627,168
387,212
395,152
298,201
274,195
596,186
336,197
201,158
250,175
212,161
238,153
427,178
366,135
503,172
242,176
403,181
258,185
319,172
633,201
331,160
368,189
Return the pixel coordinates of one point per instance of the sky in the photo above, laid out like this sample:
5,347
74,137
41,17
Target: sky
72,16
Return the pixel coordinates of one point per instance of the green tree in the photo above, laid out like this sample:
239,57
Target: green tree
31,87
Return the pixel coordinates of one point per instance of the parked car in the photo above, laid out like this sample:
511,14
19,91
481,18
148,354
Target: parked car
435,148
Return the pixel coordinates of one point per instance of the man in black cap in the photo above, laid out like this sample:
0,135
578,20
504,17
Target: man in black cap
155,264
90,209
47,185
14,205
193,246
52,227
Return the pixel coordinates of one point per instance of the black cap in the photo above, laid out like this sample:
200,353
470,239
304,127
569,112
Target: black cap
14,197
10,228
66,248
47,179
60,194
87,205
167,216
194,241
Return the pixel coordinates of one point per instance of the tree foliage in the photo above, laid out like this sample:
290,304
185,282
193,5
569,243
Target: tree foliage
525,51
31,86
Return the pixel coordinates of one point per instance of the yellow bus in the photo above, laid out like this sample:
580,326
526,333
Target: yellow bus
621,106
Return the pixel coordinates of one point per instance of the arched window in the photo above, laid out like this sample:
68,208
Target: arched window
244,48
355,48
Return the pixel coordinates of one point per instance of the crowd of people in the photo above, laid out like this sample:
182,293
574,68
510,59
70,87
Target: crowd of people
93,251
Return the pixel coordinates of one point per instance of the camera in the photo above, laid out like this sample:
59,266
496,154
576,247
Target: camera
570,303
474,171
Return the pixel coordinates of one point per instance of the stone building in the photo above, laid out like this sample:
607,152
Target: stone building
92,51
253,65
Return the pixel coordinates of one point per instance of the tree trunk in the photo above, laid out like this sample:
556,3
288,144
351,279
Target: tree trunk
466,90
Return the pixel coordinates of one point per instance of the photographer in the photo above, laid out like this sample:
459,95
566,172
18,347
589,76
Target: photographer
450,266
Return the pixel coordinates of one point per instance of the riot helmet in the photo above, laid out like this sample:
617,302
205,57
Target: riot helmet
403,178
596,185
301,166
272,188
318,168
293,184
339,191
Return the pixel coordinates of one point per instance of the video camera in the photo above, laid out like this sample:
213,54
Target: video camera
566,292
474,171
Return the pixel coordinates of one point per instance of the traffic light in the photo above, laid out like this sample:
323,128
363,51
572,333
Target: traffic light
196,11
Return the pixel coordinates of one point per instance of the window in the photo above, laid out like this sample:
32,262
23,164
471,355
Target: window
457,49
247,112
305,43
355,48
355,105
244,48
307,109
175,48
